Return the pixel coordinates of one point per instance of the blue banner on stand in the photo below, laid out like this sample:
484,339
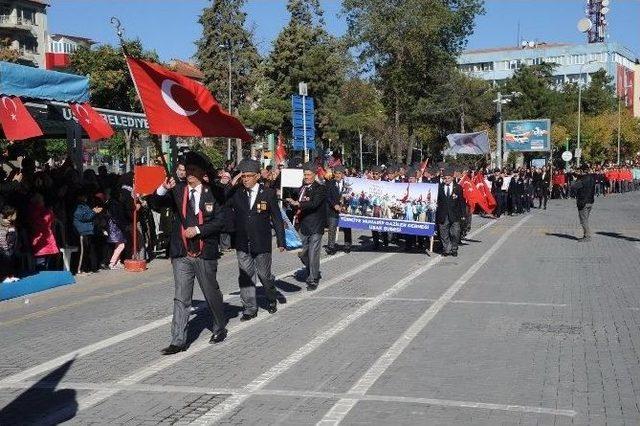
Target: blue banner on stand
399,226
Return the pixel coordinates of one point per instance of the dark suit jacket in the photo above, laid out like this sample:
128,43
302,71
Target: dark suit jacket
333,197
452,207
253,227
313,210
216,219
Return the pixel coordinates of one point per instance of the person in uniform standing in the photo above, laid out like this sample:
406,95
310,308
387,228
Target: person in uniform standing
584,188
193,248
335,191
311,216
449,213
256,212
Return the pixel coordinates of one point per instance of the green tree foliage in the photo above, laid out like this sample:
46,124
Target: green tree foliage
304,51
225,38
109,78
599,96
411,46
7,54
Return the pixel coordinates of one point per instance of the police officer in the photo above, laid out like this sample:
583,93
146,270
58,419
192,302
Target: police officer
256,212
311,216
193,248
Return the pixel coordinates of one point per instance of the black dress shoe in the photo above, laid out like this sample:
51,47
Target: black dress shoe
347,249
312,286
445,254
247,317
272,308
173,349
330,251
454,254
218,336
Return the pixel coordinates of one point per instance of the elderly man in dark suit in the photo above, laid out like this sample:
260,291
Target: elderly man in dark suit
449,213
193,248
335,191
256,212
311,215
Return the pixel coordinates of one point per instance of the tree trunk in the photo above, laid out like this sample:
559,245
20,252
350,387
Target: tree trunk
238,151
462,120
411,143
397,136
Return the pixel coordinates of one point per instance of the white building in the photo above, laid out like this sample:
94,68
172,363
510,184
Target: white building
23,25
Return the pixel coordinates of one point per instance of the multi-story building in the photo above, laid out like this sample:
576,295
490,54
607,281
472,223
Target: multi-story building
574,63
23,27
59,48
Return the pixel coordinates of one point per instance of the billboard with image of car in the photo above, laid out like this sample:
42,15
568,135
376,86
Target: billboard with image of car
527,135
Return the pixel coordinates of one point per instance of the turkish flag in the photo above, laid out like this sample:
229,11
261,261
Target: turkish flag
176,105
147,179
281,152
93,123
16,121
472,196
486,201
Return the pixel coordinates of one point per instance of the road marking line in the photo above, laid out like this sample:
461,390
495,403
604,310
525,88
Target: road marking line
201,344
339,411
89,349
471,302
228,405
295,394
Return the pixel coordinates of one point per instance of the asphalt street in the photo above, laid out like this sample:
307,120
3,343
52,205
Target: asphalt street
526,326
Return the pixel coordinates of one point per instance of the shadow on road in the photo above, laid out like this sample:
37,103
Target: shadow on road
565,236
42,403
619,236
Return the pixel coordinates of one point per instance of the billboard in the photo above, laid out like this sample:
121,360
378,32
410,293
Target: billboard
405,208
527,135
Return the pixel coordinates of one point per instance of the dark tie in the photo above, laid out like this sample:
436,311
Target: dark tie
192,200
249,197
448,193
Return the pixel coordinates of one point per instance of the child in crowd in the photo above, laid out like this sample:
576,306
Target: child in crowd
8,239
83,217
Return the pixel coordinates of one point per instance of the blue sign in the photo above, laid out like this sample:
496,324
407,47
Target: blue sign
527,135
300,119
425,229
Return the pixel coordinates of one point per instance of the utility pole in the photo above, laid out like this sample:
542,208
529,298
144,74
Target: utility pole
626,88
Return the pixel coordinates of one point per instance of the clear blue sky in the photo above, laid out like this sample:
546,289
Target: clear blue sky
170,27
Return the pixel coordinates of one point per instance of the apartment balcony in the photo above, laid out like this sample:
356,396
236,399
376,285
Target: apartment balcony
7,21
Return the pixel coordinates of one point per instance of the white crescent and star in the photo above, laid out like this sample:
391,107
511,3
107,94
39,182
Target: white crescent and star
165,90
14,116
86,113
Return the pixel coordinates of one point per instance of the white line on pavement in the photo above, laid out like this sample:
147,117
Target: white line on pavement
472,302
200,345
118,338
292,393
228,405
340,410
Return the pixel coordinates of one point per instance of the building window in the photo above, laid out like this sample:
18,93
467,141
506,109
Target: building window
27,17
515,64
28,45
5,13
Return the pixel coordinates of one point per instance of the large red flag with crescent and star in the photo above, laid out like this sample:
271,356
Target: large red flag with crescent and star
178,106
16,121
93,123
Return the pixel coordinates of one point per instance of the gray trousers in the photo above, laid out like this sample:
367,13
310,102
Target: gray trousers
332,227
310,256
249,265
449,235
583,215
185,269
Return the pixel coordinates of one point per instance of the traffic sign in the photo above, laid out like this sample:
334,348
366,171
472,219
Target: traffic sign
567,156
303,121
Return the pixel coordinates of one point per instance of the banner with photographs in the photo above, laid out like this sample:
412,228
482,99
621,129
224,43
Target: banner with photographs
404,208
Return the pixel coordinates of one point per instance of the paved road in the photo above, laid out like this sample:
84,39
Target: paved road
527,326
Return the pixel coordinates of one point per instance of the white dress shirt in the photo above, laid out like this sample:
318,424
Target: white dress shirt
253,194
196,195
448,189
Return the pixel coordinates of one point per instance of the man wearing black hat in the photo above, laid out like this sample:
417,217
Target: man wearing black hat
311,215
449,213
335,190
193,248
256,212
376,174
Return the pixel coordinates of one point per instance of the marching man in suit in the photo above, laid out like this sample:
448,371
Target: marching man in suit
193,248
311,215
256,212
449,213
335,191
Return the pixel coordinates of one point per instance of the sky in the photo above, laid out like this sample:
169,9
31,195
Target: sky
170,27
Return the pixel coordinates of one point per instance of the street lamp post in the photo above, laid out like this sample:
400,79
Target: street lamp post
580,110
499,101
626,88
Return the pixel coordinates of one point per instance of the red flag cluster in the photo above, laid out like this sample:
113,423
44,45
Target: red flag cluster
478,194
18,124
281,152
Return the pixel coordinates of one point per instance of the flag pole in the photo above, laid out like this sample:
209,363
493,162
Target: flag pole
134,264
120,33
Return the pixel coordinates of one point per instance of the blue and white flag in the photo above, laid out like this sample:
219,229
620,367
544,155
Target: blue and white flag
468,143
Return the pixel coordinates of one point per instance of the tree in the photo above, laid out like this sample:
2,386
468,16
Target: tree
411,46
225,38
7,53
109,79
304,51
599,96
